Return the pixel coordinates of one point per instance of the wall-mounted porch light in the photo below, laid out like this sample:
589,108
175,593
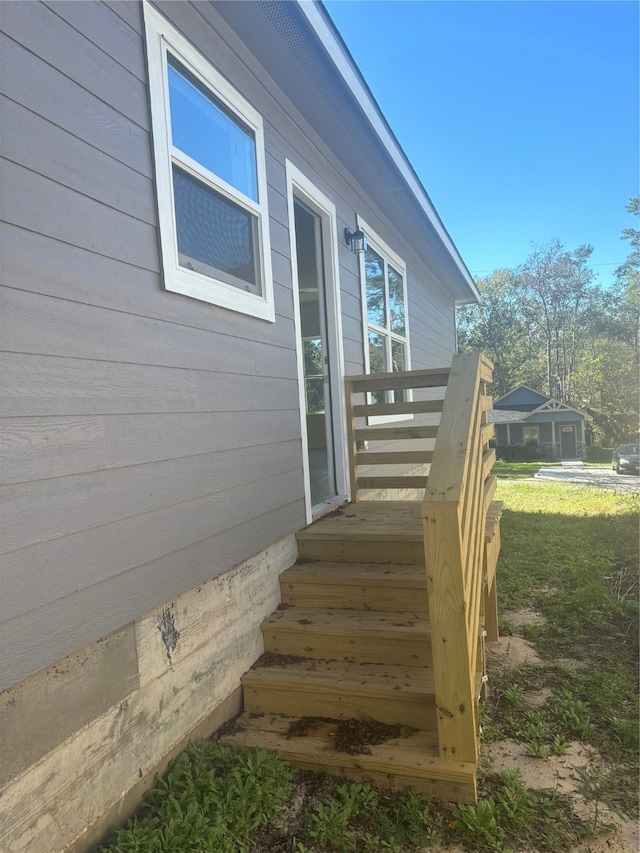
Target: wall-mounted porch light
356,241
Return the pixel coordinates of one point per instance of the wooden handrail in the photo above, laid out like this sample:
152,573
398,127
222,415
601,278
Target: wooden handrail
395,443
454,511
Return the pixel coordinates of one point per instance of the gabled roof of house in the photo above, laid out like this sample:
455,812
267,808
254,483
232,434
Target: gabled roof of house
300,48
521,387
551,406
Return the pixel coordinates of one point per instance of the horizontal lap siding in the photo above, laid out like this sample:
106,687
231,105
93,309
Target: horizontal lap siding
150,441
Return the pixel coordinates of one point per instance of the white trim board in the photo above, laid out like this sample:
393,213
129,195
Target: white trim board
299,186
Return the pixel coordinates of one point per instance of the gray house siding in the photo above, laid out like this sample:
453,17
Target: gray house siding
150,441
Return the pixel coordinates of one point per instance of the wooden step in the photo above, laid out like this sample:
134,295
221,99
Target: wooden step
360,586
368,531
390,694
393,637
398,763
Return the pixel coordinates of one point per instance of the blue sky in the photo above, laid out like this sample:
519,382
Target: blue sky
519,117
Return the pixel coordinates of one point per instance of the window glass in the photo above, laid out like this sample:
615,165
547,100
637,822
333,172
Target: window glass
210,173
387,329
377,360
396,301
205,131
374,275
215,236
530,435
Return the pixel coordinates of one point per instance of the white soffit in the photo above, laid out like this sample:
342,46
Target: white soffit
337,50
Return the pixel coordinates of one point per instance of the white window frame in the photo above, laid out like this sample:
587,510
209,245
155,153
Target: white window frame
389,257
162,38
533,428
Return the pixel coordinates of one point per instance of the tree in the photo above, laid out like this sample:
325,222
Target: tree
496,326
554,285
547,324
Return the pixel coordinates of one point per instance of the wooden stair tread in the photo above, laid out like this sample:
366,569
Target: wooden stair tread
336,621
346,574
376,520
359,677
398,763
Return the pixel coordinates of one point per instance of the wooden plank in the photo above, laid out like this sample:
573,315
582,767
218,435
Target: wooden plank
395,764
415,407
449,467
486,403
488,461
363,636
455,700
356,586
395,433
488,432
389,694
406,482
400,380
490,489
362,551
352,447
394,457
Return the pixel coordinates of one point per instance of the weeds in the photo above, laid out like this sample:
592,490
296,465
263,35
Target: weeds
570,554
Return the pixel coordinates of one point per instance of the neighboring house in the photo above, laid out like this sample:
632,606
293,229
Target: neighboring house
528,419
178,318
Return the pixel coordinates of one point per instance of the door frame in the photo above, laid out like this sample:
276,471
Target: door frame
300,187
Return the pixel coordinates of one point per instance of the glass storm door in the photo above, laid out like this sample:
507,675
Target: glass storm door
313,322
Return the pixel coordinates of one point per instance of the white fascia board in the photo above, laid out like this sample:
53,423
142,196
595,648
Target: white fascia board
352,77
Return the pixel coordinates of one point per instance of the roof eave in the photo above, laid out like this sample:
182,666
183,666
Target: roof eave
336,49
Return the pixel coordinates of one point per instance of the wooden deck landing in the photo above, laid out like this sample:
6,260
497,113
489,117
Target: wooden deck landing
352,641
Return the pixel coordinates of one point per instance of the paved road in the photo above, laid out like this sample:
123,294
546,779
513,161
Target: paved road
576,472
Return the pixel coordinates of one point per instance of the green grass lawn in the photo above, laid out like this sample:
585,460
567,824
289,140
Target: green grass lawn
570,554
519,470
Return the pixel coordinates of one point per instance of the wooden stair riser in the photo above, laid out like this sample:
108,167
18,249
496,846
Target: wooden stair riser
360,648
308,700
359,551
397,764
354,596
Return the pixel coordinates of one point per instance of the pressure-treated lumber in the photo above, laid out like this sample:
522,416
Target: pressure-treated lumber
398,763
392,694
401,638
457,497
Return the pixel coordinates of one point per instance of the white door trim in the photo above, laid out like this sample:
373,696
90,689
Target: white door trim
299,186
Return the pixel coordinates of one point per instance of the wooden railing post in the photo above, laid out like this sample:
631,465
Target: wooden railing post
352,447
454,514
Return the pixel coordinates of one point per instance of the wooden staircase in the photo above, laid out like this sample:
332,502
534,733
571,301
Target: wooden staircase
352,642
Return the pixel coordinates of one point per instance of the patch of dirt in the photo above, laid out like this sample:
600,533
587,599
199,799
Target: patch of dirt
558,772
522,618
351,736
510,653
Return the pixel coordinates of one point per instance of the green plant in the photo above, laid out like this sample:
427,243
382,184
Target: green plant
213,797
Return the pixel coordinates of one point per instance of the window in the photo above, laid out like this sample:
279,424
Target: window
530,436
210,173
385,305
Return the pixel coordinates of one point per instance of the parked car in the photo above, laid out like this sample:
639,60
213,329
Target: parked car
626,459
